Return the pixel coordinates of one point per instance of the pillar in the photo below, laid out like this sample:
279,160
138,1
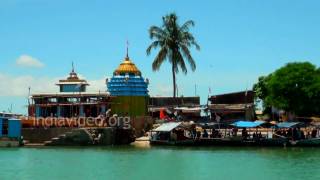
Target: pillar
81,111
103,109
58,111
38,111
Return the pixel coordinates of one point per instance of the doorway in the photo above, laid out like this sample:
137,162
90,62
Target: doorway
5,127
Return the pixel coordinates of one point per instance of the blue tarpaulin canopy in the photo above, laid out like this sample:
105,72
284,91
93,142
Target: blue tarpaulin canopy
167,127
247,124
287,124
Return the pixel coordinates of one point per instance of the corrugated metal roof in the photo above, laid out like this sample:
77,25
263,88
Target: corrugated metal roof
241,97
167,126
170,101
14,119
230,106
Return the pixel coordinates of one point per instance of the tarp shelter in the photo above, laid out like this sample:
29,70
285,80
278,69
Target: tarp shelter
247,124
167,127
287,124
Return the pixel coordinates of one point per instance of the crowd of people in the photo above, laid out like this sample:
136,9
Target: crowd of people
296,133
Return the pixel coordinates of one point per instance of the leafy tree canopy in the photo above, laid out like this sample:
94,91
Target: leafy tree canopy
293,88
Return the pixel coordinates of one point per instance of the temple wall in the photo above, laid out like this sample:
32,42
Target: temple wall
39,135
142,124
132,106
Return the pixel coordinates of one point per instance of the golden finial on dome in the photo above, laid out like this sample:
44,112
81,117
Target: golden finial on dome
127,66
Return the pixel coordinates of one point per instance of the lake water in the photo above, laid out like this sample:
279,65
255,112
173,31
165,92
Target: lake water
143,162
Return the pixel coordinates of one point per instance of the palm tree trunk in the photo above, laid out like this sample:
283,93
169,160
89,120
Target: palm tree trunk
174,81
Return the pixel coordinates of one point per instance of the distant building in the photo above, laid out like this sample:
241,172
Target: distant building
174,102
188,107
71,101
233,106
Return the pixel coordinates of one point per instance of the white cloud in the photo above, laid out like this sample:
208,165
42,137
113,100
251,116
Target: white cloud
18,85
97,85
29,61
160,90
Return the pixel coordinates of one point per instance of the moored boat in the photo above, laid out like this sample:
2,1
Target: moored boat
252,134
306,142
170,133
178,133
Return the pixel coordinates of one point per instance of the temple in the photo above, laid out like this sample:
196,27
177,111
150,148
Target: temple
72,100
127,81
126,95
130,88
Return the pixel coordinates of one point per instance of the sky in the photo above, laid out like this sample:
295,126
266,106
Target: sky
240,40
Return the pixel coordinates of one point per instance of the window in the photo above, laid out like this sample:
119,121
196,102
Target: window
52,100
5,127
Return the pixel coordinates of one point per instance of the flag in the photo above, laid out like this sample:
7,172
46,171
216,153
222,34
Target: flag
162,114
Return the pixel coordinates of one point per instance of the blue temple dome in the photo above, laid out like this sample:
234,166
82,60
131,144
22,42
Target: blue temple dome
127,81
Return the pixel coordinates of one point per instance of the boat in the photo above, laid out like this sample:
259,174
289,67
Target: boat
170,133
178,133
312,142
256,138
252,134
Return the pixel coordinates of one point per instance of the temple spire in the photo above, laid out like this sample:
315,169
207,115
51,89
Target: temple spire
127,56
72,67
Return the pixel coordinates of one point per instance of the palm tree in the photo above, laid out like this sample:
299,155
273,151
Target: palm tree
174,42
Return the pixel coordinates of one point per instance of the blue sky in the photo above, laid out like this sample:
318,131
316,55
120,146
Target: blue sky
240,41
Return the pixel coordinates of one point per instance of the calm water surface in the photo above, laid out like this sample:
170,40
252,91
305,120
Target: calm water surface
137,163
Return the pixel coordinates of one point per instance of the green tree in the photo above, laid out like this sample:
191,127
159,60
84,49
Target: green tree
261,92
173,42
294,88
260,88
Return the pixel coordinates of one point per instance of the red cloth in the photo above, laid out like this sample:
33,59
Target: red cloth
162,114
